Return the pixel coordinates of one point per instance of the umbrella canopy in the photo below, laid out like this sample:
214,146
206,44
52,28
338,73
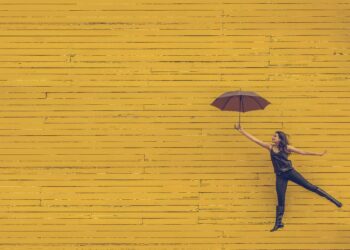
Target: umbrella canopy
241,101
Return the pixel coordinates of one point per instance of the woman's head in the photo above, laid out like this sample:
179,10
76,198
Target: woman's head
281,140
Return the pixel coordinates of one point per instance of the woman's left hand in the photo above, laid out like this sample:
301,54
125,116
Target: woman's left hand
323,153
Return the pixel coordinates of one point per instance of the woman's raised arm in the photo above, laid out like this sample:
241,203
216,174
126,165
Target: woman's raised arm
252,138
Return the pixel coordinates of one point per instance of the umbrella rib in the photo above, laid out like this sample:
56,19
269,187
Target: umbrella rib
228,99
257,103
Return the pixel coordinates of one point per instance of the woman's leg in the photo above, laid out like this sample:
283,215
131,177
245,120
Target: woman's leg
281,187
297,178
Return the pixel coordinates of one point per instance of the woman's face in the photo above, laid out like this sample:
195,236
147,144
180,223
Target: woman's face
275,139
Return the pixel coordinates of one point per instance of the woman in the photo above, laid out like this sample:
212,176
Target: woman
284,171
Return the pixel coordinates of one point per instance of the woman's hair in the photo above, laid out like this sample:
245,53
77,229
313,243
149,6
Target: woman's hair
284,141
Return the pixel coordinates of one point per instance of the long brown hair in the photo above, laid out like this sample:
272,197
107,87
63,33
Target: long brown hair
284,141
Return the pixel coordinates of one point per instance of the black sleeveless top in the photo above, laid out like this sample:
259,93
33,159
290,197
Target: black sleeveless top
280,162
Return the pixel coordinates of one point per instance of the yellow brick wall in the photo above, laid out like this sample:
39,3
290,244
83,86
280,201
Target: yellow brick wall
108,139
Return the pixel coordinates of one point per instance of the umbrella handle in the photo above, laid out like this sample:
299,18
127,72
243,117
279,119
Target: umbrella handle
240,107
239,121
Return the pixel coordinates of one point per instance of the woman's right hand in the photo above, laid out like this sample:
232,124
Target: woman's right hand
238,127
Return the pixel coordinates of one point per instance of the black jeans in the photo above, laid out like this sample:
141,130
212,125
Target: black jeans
296,177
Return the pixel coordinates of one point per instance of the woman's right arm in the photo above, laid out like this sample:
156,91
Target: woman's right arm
252,138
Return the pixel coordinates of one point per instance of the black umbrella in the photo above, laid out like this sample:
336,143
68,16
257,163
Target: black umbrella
241,101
